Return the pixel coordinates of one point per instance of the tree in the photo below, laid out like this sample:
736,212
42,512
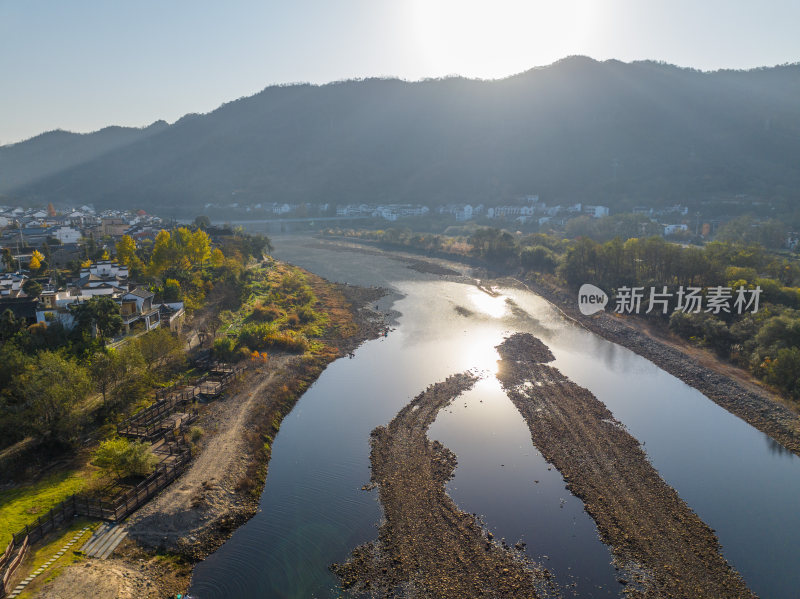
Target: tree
217,258
199,247
103,367
538,258
123,458
7,259
202,222
52,388
160,350
10,326
172,291
126,252
36,260
163,252
32,288
100,312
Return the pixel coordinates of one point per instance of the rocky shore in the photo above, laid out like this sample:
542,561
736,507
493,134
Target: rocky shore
662,546
427,548
750,403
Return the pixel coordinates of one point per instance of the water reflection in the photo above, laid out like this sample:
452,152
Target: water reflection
776,448
314,512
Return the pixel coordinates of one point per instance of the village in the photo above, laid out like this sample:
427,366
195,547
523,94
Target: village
55,262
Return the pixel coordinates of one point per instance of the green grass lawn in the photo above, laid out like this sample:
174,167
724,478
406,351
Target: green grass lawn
22,505
49,548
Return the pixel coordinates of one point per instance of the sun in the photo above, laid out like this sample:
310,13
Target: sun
500,37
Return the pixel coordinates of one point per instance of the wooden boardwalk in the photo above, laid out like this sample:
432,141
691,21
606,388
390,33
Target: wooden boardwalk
164,424
154,421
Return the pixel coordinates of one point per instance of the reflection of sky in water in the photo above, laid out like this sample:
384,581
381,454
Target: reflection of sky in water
314,511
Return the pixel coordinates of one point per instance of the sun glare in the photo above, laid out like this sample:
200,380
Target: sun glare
501,37
486,304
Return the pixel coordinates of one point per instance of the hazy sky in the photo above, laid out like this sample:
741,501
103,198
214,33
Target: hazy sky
81,65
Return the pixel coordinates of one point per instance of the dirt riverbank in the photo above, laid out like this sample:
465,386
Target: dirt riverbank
220,490
729,387
657,540
427,548
719,382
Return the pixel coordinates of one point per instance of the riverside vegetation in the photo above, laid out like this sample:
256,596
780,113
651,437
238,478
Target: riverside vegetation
766,343
62,392
285,321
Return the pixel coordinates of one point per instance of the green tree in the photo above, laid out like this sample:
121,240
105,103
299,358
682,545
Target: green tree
101,314
32,288
10,326
122,458
538,258
105,371
172,291
783,371
160,350
53,387
7,259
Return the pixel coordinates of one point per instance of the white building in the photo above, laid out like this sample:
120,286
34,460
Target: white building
671,229
67,235
596,211
11,284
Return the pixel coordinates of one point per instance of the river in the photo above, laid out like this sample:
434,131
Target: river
314,512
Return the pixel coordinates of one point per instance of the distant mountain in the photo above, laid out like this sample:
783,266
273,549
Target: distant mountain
578,130
56,151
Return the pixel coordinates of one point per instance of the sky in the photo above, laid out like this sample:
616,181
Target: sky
81,65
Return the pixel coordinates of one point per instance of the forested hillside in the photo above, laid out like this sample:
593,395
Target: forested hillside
578,130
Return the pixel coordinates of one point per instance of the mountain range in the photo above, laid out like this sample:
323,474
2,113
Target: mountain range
579,130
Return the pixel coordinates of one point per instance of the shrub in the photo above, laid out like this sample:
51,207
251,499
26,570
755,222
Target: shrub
263,313
224,348
122,458
306,314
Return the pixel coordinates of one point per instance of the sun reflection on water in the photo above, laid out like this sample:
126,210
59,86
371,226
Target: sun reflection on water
491,306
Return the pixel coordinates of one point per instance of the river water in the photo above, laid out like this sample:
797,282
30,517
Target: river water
313,511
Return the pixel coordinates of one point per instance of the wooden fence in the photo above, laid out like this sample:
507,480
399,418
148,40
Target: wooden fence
115,510
12,566
149,424
146,424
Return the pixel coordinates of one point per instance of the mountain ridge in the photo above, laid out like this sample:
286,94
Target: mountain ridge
579,129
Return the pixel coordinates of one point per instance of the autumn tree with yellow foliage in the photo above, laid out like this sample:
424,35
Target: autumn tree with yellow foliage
182,248
126,253
36,261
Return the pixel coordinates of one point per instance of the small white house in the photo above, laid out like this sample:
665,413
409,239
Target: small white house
67,235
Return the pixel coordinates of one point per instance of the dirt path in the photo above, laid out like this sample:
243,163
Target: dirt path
427,547
129,574
188,514
664,547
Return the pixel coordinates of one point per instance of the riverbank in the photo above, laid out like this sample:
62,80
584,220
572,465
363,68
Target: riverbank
734,391
221,488
427,547
661,545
